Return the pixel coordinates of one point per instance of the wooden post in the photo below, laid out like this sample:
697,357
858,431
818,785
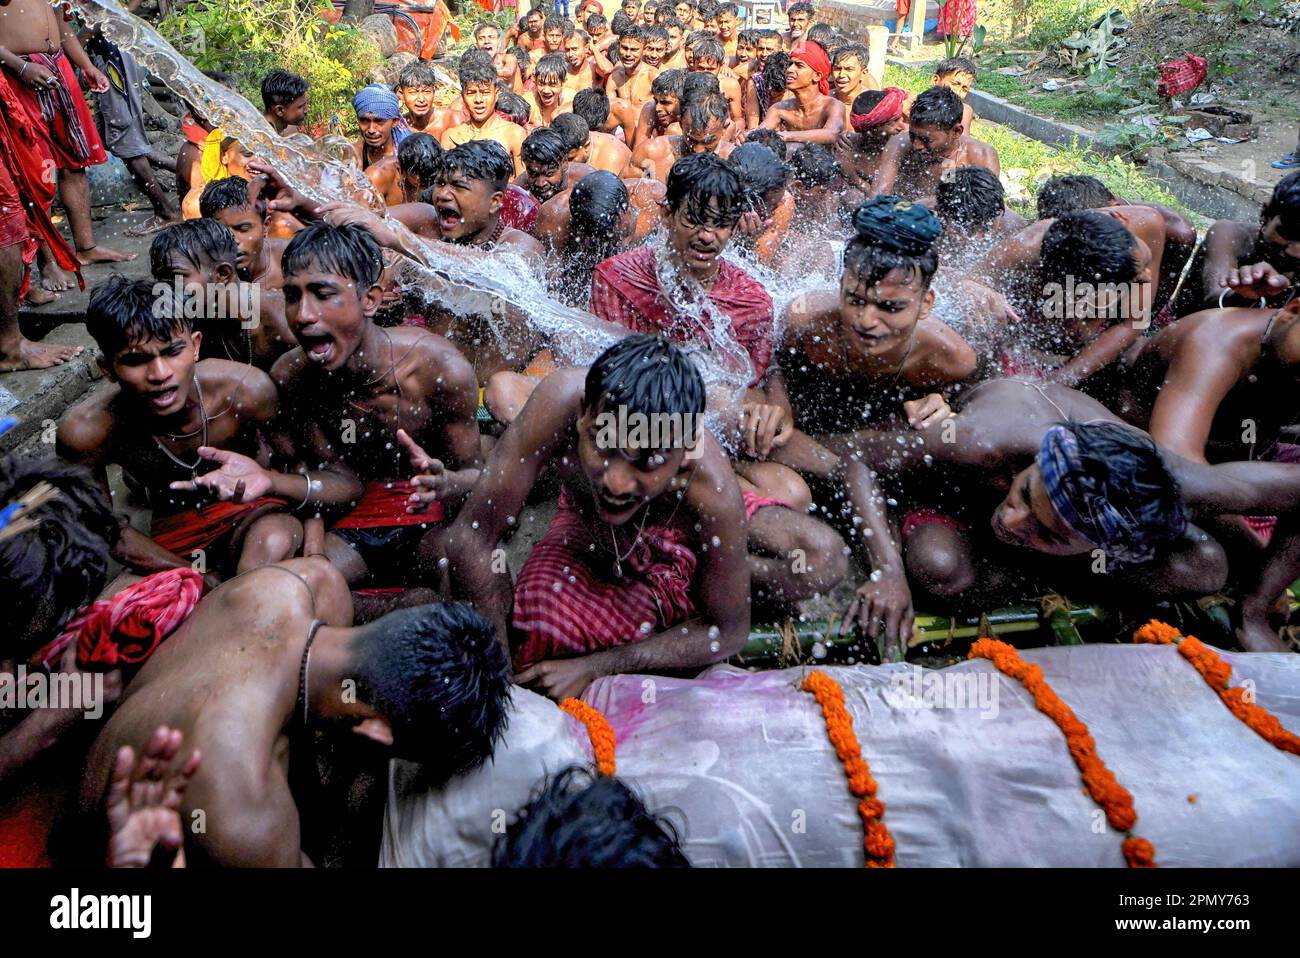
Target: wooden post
877,40
916,21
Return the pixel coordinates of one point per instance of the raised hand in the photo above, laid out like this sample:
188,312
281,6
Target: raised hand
883,606
1258,281
925,412
432,480
240,479
143,800
764,427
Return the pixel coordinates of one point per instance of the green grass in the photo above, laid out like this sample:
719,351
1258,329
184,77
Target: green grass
1063,105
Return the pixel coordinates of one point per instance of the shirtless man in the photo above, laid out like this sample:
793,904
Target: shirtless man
255,672
404,178
240,321
379,115
684,584
284,101
555,30
874,119
704,55
596,151
654,46
547,165
763,229
849,76
527,32
674,53
478,90
550,98
417,87
487,37
704,127
936,142
160,416
660,117
800,17
577,59
727,24
971,204
1085,285
631,80
957,75
229,203
810,115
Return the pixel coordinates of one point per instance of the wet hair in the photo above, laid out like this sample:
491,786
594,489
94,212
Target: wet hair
441,678
420,157
633,32
1284,204
955,65
556,22
669,83
478,56
545,147
348,251
199,241
670,21
280,88
515,107
592,104
871,261
937,106
418,73
124,312
474,70
971,197
800,8
52,569
1065,194
595,21
702,109
774,72
551,67
595,205
819,33
699,180
748,37
867,100
655,32
696,85
707,47
760,169
572,131
620,24
1092,246
851,50
485,160
646,374
813,165
484,26
708,9
770,139
835,44
521,60
728,7
229,193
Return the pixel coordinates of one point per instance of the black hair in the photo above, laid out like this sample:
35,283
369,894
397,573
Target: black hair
441,678
819,33
633,32
937,106
813,164
122,312
199,241
485,25
647,375
418,73
747,36
227,193
620,24
697,85
551,67
871,262
420,157
52,569
1284,203
545,147
592,104
708,47
702,109
955,65
774,72
280,88
702,180
1092,246
867,100
1065,194
851,50
971,197
800,8
655,32
728,7
522,59
572,131
595,205
515,107
708,9
595,21
348,251
485,160
770,139
478,57
474,70
760,169
669,22
554,22
669,83
835,44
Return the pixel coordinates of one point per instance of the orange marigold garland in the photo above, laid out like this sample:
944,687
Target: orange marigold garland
598,730
1217,673
879,844
1114,799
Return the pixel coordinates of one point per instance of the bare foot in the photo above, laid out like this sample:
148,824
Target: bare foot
32,355
39,297
152,225
102,254
53,278
1255,634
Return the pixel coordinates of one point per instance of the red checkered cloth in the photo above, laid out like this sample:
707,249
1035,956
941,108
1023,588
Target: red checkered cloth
1179,76
957,18
625,291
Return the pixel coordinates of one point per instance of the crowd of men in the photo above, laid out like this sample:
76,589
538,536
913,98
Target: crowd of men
965,407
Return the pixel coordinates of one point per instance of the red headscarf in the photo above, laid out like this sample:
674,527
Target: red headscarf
811,53
889,108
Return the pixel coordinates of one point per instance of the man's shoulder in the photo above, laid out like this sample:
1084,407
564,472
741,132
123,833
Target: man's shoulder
738,280
641,257
89,424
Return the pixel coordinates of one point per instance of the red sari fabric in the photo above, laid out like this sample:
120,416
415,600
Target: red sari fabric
383,505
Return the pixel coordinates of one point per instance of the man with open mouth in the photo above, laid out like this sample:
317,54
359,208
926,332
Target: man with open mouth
478,92
547,167
379,115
